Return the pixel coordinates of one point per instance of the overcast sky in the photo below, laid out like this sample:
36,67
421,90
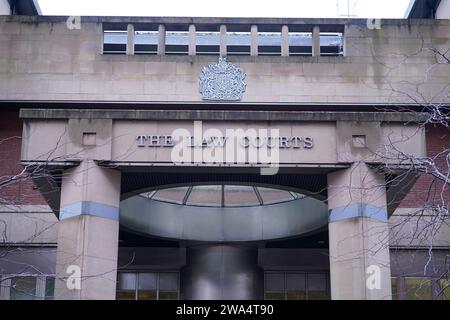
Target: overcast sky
228,8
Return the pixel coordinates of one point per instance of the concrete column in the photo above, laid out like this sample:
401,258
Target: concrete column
130,40
223,40
344,41
358,235
161,40
254,40
86,260
284,41
316,41
192,40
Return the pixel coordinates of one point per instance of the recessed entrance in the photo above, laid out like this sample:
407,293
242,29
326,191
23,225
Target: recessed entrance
223,228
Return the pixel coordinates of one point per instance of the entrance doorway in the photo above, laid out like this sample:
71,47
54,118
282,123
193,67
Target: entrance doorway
226,230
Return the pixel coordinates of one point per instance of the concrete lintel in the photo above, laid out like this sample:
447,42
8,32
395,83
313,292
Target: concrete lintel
307,22
221,115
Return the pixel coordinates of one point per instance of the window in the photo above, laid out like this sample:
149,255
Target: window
394,288
49,288
269,195
27,287
146,42
173,195
317,286
115,41
269,43
240,196
126,287
177,42
331,44
444,285
147,286
168,286
295,286
205,196
418,289
207,43
23,288
222,195
238,43
274,286
300,43
238,39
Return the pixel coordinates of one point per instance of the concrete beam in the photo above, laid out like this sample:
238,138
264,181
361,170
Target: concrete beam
221,115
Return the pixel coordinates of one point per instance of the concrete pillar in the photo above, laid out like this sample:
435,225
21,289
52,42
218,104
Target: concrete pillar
284,41
223,40
161,40
130,40
316,41
358,235
254,40
344,41
192,40
86,260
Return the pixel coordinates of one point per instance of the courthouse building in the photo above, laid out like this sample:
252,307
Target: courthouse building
133,160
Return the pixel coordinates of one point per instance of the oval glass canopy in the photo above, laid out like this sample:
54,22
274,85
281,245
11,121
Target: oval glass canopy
222,195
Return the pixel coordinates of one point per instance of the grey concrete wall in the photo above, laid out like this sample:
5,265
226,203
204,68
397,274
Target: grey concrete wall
27,225
41,59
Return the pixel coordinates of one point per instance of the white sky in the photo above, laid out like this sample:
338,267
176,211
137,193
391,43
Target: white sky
228,8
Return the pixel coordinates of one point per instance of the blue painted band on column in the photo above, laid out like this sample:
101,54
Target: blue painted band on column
89,208
358,210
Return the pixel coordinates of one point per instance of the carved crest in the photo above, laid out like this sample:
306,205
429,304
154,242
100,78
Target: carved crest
222,81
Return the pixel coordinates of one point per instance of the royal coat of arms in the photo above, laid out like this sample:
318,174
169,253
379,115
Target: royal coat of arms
222,81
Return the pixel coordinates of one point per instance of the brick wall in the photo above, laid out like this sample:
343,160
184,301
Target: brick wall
428,190
20,191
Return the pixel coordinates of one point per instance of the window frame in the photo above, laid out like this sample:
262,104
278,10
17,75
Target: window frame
306,274
40,286
158,274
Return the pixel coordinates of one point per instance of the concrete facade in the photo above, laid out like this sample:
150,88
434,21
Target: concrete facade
352,251
71,66
81,111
